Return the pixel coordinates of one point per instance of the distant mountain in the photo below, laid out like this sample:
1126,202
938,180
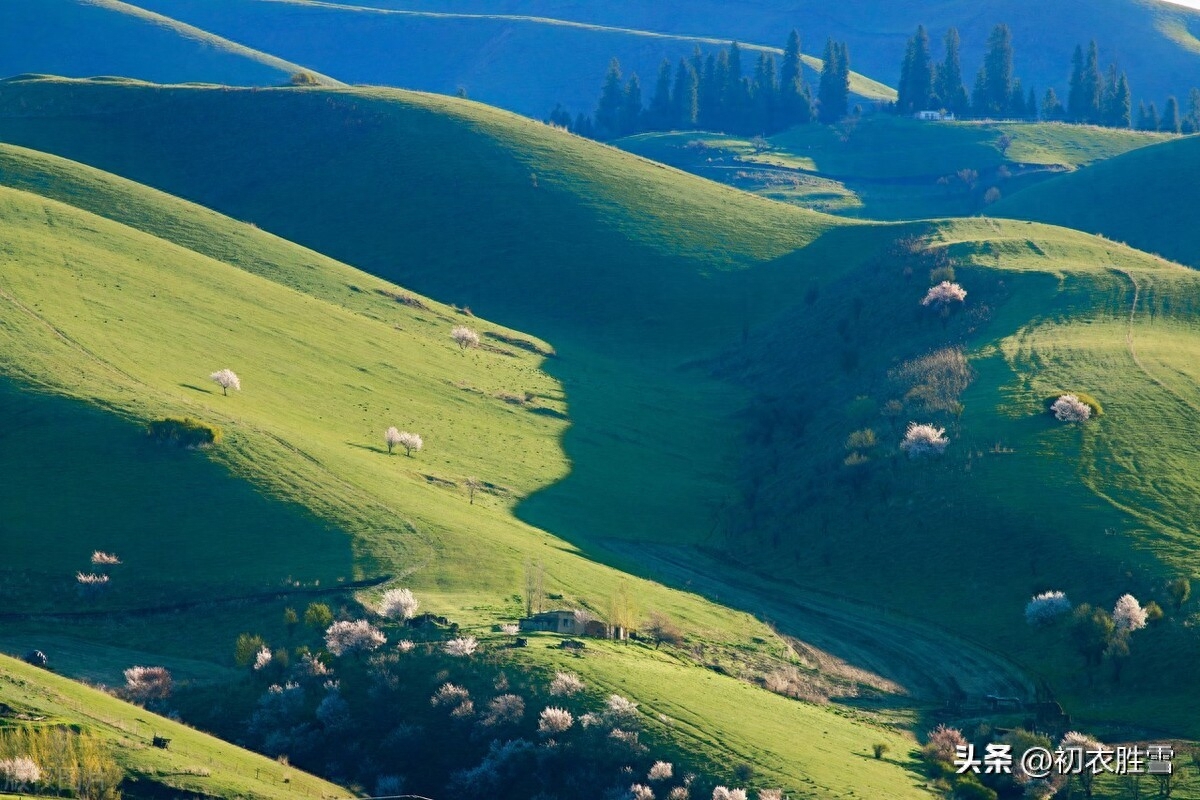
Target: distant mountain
86,38
1156,42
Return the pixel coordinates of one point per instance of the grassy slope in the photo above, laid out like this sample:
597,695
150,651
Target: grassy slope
888,168
107,37
1156,181
1155,41
658,255
500,60
135,317
195,762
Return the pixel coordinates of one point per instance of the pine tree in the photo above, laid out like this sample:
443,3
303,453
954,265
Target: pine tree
997,73
766,93
612,101
631,110
659,116
1076,106
792,108
684,98
710,94
1016,103
1108,101
1170,118
916,75
1122,104
1151,117
720,93
1093,86
1052,107
950,78
1031,107
1193,114
583,126
833,93
1143,117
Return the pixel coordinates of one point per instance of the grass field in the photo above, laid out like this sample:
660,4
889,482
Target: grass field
194,762
694,307
86,38
890,168
1142,197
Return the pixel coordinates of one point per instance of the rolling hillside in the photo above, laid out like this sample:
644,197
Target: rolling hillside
86,38
195,763
1156,181
521,63
687,373
1155,42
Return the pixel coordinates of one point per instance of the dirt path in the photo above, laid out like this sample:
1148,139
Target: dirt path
926,662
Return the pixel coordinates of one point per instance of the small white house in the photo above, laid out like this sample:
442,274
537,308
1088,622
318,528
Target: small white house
934,116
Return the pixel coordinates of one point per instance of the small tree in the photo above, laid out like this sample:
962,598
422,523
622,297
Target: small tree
410,442
565,684
1069,408
391,438
464,337
227,379
924,440
879,749
942,295
318,616
943,743
461,647
1179,590
102,559
553,721
148,683
263,658
662,630
1044,608
992,195
1128,615
660,771
344,636
290,620
473,485
398,604
247,648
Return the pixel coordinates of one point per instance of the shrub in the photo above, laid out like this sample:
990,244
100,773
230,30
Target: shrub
924,440
464,337
663,630
725,793
303,78
770,794
565,684
91,579
247,648
1179,590
148,683
1128,615
227,379
398,604
939,274
936,379
449,694
660,771
943,743
944,294
318,616
1154,611
101,559
461,647
879,749
344,636
640,791
861,439
991,196
1046,607
553,721
1069,408
1093,405
262,659
507,709
185,432
679,793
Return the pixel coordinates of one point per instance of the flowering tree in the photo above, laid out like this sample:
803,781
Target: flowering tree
398,604
227,379
770,794
944,294
924,440
679,793
640,791
553,721
1044,608
91,580
464,337
409,441
660,771
344,636
510,629
102,559
391,438
507,709
724,793
461,647
1070,408
148,683
19,773
943,742
565,684
1128,615
262,659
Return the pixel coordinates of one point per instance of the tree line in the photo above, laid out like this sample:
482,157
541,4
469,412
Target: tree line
713,93
1095,96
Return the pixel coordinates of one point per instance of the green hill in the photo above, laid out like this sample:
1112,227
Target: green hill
523,63
1141,198
1156,42
84,38
884,167
194,763
715,351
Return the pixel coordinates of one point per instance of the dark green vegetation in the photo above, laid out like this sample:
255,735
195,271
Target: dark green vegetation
736,374
86,38
887,168
1143,198
32,698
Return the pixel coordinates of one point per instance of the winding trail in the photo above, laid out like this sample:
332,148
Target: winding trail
927,663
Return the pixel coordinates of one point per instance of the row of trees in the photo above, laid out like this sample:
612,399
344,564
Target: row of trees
713,93
1094,97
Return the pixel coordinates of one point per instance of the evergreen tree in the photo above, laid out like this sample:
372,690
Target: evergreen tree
612,101
631,110
950,78
1093,86
916,75
720,93
710,94
1052,107
1031,107
766,93
1143,118
737,92
1170,118
1151,117
1076,106
660,116
793,109
833,92
1016,103
1193,114
684,98
559,116
1122,104
995,88
583,126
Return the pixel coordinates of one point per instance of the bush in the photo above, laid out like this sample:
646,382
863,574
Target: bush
304,78
1092,403
185,432
879,749
1044,608
1070,408
924,440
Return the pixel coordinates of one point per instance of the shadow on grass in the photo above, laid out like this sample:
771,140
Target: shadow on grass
370,447
195,388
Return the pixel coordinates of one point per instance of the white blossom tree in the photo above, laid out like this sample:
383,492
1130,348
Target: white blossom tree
1128,614
20,773
640,791
227,379
725,793
1070,408
148,683
398,604
660,771
464,337
679,793
91,579
506,709
391,437
944,294
565,684
263,658
943,742
510,629
554,720
924,440
410,442
461,647
770,794
345,636
102,559
406,645
1044,608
